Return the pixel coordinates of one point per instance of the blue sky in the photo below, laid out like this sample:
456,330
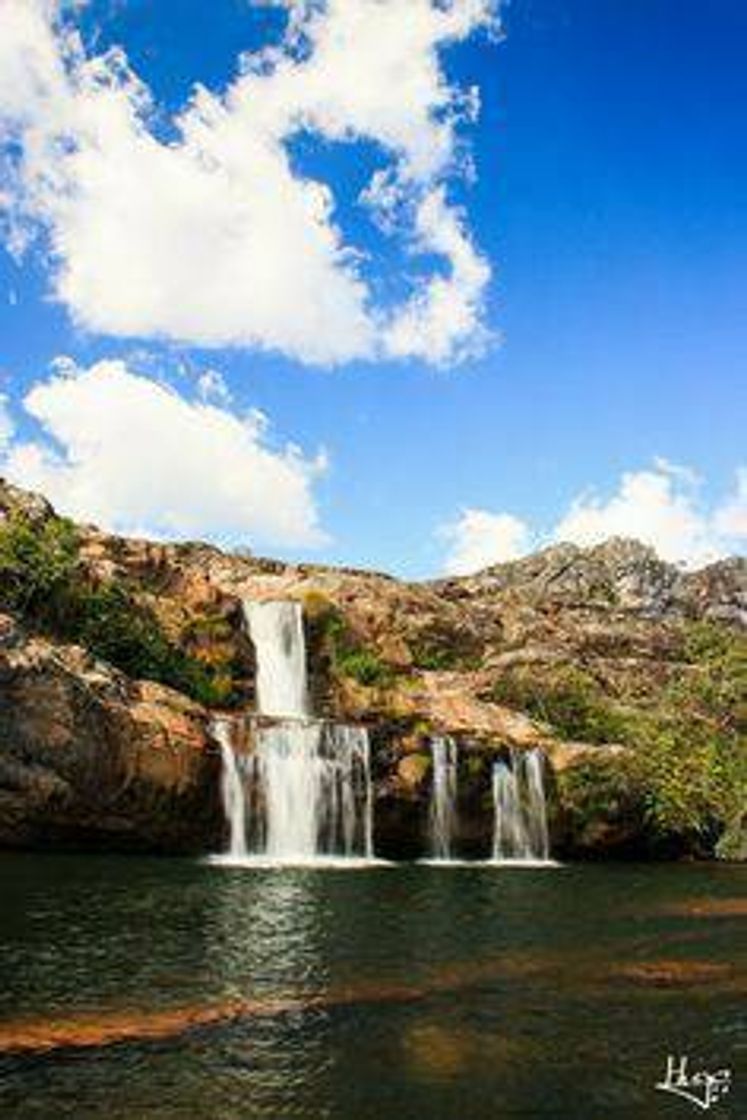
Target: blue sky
593,384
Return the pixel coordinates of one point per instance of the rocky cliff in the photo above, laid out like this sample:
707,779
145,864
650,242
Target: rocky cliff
89,758
628,672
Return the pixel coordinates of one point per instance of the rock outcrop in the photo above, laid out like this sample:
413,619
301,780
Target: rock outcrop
91,759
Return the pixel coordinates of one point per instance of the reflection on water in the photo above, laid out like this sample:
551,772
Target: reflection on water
172,989
267,941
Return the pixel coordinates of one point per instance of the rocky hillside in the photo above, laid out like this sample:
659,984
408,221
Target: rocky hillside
628,672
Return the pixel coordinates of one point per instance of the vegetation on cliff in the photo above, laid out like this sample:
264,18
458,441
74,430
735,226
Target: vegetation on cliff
686,772
347,654
43,582
564,696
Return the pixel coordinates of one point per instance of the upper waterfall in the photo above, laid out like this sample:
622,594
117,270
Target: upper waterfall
276,630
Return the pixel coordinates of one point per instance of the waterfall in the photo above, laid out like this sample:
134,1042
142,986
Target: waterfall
536,803
313,791
520,832
443,797
231,788
302,791
276,630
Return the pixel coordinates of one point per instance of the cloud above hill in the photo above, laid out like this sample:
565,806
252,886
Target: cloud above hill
207,233
479,538
134,456
660,506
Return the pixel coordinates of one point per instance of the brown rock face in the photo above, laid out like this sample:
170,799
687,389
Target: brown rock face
92,759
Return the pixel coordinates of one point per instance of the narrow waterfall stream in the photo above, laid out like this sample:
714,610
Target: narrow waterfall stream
232,789
303,792
443,797
520,832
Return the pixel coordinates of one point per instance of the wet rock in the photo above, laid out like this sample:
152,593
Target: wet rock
413,769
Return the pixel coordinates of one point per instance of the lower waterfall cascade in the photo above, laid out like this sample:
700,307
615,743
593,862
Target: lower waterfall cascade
309,791
302,792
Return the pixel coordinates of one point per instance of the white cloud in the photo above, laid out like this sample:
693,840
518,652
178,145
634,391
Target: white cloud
132,455
660,506
212,238
657,506
480,538
731,517
442,320
678,471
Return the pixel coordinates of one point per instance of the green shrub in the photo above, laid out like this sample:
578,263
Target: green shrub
442,647
717,686
364,666
679,780
691,774
42,580
347,655
428,657
566,698
702,786
604,789
706,642
38,564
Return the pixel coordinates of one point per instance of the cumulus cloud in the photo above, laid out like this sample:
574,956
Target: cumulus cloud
212,237
132,455
660,506
479,538
731,517
657,506
442,320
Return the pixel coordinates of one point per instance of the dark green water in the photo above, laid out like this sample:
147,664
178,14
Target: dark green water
408,992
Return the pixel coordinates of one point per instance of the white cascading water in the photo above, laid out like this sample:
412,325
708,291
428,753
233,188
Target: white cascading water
306,786
443,797
276,630
520,831
312,792
232,789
